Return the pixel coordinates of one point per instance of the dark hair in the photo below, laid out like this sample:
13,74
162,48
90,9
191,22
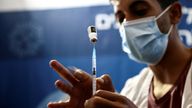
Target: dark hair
166,3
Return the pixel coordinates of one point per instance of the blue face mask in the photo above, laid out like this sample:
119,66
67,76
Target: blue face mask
143,41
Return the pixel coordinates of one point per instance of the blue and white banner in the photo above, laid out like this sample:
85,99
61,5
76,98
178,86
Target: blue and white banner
32,32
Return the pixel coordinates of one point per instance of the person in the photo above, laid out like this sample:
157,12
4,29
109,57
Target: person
149,33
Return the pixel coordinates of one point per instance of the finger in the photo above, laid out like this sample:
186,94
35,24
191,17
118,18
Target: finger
72,69
99,102
63,72
116,98
81,75
99,82
65,87
105,83
111,96
59,104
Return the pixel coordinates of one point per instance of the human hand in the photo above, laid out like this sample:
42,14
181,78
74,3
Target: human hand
107,99
78,85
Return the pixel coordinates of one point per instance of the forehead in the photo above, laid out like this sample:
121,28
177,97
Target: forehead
116,2
128,3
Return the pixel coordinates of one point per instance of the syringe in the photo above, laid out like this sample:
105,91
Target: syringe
92,33
94,69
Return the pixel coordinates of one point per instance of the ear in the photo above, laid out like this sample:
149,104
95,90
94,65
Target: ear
176,13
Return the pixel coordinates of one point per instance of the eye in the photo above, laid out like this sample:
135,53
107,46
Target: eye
120,16
139,12
139,8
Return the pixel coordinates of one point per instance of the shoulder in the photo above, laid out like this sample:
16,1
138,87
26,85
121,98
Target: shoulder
143,77
137,87
187,94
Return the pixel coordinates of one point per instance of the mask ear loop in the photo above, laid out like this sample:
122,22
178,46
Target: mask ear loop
162,13
170,30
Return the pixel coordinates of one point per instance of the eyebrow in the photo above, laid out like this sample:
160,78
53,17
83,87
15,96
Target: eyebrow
132,5
137,2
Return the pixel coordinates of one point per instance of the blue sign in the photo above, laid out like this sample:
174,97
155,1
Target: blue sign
30,39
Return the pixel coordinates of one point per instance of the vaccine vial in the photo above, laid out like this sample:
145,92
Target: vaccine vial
92,33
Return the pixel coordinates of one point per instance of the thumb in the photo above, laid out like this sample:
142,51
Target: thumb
105,83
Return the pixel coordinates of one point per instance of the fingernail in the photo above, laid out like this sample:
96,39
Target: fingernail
60,101
58,83
78,74
105,79
52,63
49,104
86,101
101,80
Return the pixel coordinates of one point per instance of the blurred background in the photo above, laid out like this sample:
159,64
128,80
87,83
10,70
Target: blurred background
32,32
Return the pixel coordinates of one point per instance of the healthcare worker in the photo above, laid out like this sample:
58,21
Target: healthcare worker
149,33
